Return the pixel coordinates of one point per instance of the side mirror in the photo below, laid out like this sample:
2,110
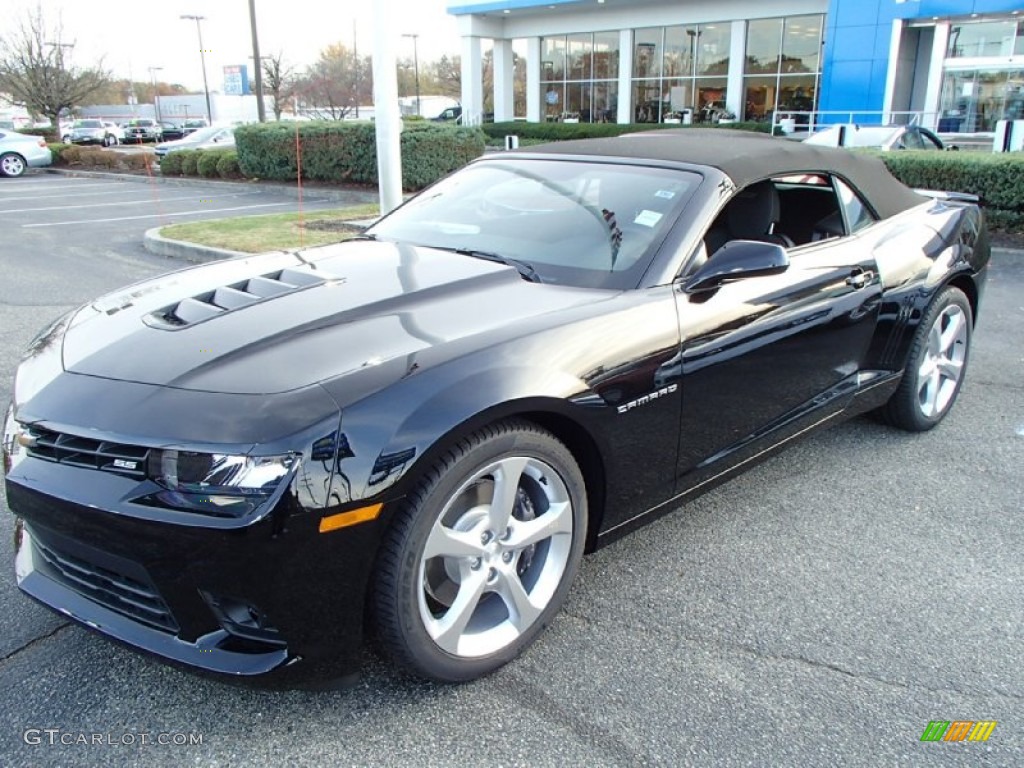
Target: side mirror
738,260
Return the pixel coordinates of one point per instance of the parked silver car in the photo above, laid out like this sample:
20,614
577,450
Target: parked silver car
213,137
93,131
19,151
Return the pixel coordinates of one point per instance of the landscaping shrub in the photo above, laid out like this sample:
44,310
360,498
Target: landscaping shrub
189,161
57,152
170,165
997,179
227,165
347,152
71,154
206,165
141,161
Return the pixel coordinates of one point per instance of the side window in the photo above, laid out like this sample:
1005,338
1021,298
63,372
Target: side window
858,216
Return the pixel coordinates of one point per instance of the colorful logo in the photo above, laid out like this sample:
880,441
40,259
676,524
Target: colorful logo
958,730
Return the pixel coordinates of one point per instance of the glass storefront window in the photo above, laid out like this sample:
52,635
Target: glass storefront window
647,52
606,55
801,45
764,41
713,43
760,91
680,50
552,58
782,67
580,49
986,38
975,100
647,101
710,100
797,93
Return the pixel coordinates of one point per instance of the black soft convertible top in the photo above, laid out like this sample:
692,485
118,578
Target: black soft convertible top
747,157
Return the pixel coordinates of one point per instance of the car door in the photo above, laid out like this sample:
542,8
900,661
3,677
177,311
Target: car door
766,357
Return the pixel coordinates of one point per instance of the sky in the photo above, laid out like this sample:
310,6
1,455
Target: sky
131,37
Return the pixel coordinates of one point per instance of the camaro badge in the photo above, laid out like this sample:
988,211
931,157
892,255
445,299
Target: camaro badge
647,398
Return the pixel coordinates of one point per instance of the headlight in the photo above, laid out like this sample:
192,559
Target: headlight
10,447
215,484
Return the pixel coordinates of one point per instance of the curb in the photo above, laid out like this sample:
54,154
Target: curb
155,243
352,196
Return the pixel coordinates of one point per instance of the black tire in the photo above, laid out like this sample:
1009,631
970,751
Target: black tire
12,164
922,401
414,594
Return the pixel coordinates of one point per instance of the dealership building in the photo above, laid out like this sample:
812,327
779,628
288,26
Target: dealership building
953,65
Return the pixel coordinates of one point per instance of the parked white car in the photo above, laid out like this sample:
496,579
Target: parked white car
19,151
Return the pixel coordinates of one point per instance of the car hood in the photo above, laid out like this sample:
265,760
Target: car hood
281,321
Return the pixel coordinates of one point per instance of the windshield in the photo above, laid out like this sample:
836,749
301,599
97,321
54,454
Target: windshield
89,124
578,223
203,134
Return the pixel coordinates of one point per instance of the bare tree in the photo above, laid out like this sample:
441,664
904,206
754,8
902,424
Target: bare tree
36,71
447,74
337,83
279,81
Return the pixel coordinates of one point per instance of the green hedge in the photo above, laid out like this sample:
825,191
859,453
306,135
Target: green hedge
227,164
56,148
208,161
568,131
997,179
189,160
347,152
170,165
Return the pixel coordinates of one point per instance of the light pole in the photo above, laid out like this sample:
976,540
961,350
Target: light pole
156,96
261,113
202,57
416,67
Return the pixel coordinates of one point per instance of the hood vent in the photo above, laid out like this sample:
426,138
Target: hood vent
231,297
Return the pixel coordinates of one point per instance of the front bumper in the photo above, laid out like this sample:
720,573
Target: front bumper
270,601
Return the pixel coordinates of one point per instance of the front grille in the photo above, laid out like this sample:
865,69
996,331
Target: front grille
128,460
227,298
113,590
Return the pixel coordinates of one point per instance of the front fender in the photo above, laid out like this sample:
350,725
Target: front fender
413,428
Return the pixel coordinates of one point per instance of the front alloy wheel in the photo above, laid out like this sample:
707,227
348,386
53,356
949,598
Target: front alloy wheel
482,556
936,365
12,165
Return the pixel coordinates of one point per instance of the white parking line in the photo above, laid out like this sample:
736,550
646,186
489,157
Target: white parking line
13,189
101,205
108,193
79,222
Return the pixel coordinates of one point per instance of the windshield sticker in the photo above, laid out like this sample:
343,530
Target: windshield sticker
647,218
665,194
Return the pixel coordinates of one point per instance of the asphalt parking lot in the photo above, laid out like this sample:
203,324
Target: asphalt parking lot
818,611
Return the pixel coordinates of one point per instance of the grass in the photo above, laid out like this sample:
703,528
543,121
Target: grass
255,234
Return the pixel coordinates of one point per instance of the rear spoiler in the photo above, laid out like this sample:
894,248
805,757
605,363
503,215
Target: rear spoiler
956,197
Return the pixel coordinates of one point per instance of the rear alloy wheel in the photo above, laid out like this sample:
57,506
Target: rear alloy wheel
481,556
12,164
936,364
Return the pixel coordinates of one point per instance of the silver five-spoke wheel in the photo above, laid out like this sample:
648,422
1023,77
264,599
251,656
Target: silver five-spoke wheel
938,377
935,365
495,557
481,557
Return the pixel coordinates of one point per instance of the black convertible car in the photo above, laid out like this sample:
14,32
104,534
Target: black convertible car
249,467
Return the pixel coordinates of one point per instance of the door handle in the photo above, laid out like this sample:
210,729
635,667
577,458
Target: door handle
859,278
